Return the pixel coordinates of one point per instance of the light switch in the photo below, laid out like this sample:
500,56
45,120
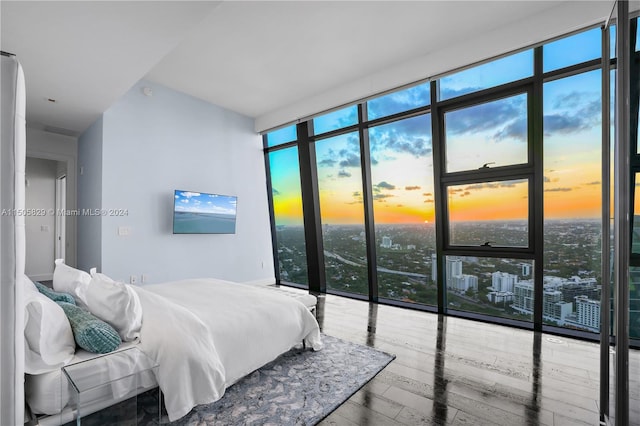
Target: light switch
123,231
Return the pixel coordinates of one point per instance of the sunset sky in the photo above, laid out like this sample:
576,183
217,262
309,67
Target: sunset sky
492,132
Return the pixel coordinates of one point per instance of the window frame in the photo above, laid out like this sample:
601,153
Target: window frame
532,171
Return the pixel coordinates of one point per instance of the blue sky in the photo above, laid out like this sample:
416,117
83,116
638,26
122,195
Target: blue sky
197,202
493,131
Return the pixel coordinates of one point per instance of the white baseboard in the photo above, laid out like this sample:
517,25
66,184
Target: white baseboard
262,281
41,277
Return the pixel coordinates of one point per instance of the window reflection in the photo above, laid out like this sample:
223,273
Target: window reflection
490,134
280,136
342,213
572,50
492,74
287,209
335,120
400,101
490,214
496,287
403,206
572,199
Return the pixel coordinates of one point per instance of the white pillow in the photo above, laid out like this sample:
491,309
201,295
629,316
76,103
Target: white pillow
48,339
70,280
117,304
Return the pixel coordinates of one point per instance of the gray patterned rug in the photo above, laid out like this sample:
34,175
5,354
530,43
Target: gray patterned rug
301,387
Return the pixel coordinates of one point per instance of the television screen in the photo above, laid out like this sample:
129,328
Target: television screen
201,213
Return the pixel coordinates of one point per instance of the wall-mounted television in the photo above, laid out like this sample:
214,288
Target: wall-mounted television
203,213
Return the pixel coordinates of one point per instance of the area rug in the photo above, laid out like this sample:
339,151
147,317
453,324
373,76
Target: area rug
301,387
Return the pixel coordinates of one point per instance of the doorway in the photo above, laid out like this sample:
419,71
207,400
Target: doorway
46,199
61,209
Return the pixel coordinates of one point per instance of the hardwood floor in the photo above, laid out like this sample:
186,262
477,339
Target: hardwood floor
452,371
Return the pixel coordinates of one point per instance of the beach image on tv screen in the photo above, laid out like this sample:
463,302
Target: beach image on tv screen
200,213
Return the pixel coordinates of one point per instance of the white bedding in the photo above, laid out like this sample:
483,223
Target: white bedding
205,334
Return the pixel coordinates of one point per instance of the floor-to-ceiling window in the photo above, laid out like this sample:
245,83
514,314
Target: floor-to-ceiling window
286,197
402,180
342,213
487,181
478,193
634,282
572,108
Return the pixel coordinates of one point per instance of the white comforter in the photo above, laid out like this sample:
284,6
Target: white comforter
206,334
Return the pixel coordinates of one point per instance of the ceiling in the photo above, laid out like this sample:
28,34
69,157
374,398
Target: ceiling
252,57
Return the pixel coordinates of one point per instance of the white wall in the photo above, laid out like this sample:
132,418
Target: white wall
152,145
90,197
53,146
553,22
40,229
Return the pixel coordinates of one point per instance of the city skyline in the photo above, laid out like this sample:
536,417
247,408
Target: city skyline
503,287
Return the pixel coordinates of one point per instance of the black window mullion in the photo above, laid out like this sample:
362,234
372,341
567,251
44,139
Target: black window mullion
495,252
311,209
396,117
367,198
634,98
493,93
272,215
331,133
437,144
634,90
536,130
278,147
520,171
594,64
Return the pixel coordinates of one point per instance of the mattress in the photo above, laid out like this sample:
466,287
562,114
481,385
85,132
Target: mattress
49,393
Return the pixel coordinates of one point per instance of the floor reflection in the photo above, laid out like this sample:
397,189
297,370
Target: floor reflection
320,310
533,413
367,395
372,322
440,382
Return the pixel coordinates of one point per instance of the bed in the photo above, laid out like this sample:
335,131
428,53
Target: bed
204,334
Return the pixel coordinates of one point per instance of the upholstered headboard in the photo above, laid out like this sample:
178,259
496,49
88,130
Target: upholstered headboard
12,240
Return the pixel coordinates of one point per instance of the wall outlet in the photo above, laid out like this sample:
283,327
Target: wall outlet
123,231
133,279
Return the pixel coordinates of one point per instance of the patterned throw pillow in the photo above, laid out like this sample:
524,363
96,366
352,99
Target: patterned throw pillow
54,295
91,334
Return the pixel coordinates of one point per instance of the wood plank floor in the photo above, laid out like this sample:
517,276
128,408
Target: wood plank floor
452,371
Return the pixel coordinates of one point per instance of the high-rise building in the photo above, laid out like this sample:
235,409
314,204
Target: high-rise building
553,308
386,242
453,268
523,297
463,283
500,297
503,282
571,290
588,312
434,267
454,277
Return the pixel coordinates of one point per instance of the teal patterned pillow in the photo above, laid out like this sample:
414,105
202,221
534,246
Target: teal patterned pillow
54,295
91,334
